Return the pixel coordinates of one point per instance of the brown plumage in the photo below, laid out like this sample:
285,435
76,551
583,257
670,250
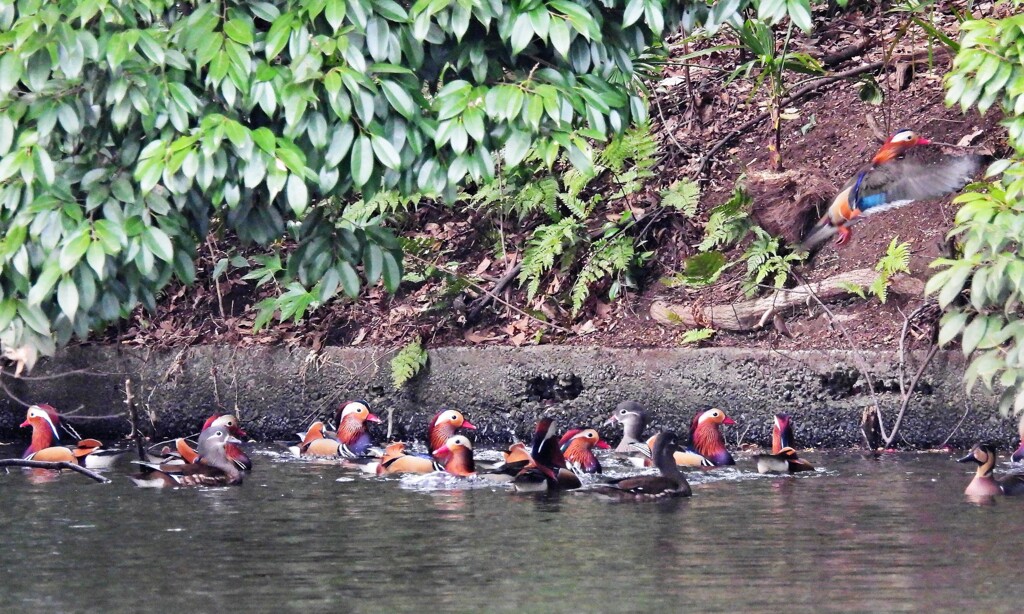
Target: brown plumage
671,482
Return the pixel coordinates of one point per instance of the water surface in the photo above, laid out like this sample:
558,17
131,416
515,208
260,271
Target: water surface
892,534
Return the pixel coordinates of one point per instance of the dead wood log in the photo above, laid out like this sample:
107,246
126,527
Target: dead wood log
756,313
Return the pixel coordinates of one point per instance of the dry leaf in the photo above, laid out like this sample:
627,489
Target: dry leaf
969,139
483,266
359,336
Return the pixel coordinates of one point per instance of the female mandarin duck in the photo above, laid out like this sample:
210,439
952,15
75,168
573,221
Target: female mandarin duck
670,483
547,468
983,484
233,452
444,426
578,449
706,439
633,418
783,458
88,453
352,438
213,467
904,170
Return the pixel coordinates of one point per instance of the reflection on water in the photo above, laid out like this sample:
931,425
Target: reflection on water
893,534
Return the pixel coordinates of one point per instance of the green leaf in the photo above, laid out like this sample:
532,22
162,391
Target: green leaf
298,195
157,241
67,297
238,31
44,284
73,251
373,262
386,152
392,272
399,98
349,278
34,318
362,161
800,12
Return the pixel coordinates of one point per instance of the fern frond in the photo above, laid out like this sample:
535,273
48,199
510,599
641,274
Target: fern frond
608,257
764,260
696,335
380,204
407,363
683,195
546,243
728,222
896,260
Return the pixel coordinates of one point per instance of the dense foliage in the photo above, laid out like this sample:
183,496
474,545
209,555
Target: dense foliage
982,288
131,129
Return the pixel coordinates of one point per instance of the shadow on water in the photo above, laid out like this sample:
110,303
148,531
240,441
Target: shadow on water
892,534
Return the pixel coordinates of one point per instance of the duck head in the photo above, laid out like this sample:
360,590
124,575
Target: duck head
665,446
43,419
984,455
633,418
457,455
578,449
228,421
706,438
352,418
898,143
212,442
782,433
444,425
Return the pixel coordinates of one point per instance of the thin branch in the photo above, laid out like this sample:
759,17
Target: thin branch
19,462
906,398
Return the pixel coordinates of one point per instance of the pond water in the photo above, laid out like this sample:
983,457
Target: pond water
892,534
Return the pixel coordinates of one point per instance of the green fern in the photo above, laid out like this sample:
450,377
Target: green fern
608,257
764,261
407,363
548,242
696,335
683,195
728,222
853,288
896,260
631,158
381,203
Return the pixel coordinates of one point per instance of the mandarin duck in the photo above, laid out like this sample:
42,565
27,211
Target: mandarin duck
547,469
783,458
212,468
906,168
235,453
396,460
633,418
671,482
706,439
444,426
352,440
1018,455
577,447
983,484
457,455
43,419
684,456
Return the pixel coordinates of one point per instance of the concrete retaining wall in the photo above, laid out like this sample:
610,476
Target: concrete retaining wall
278,391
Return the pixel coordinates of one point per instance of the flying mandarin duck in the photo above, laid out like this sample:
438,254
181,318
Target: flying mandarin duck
907,168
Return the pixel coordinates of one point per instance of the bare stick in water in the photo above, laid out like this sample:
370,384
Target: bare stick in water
18,462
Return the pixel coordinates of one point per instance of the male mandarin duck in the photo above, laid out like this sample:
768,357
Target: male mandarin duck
633,418
670,483
907,168
235,453
352,441
457,455
983,484
783,458
1018,456
578,446
213,468
684,457
547,468
88,453
445,425
706,439
396,460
